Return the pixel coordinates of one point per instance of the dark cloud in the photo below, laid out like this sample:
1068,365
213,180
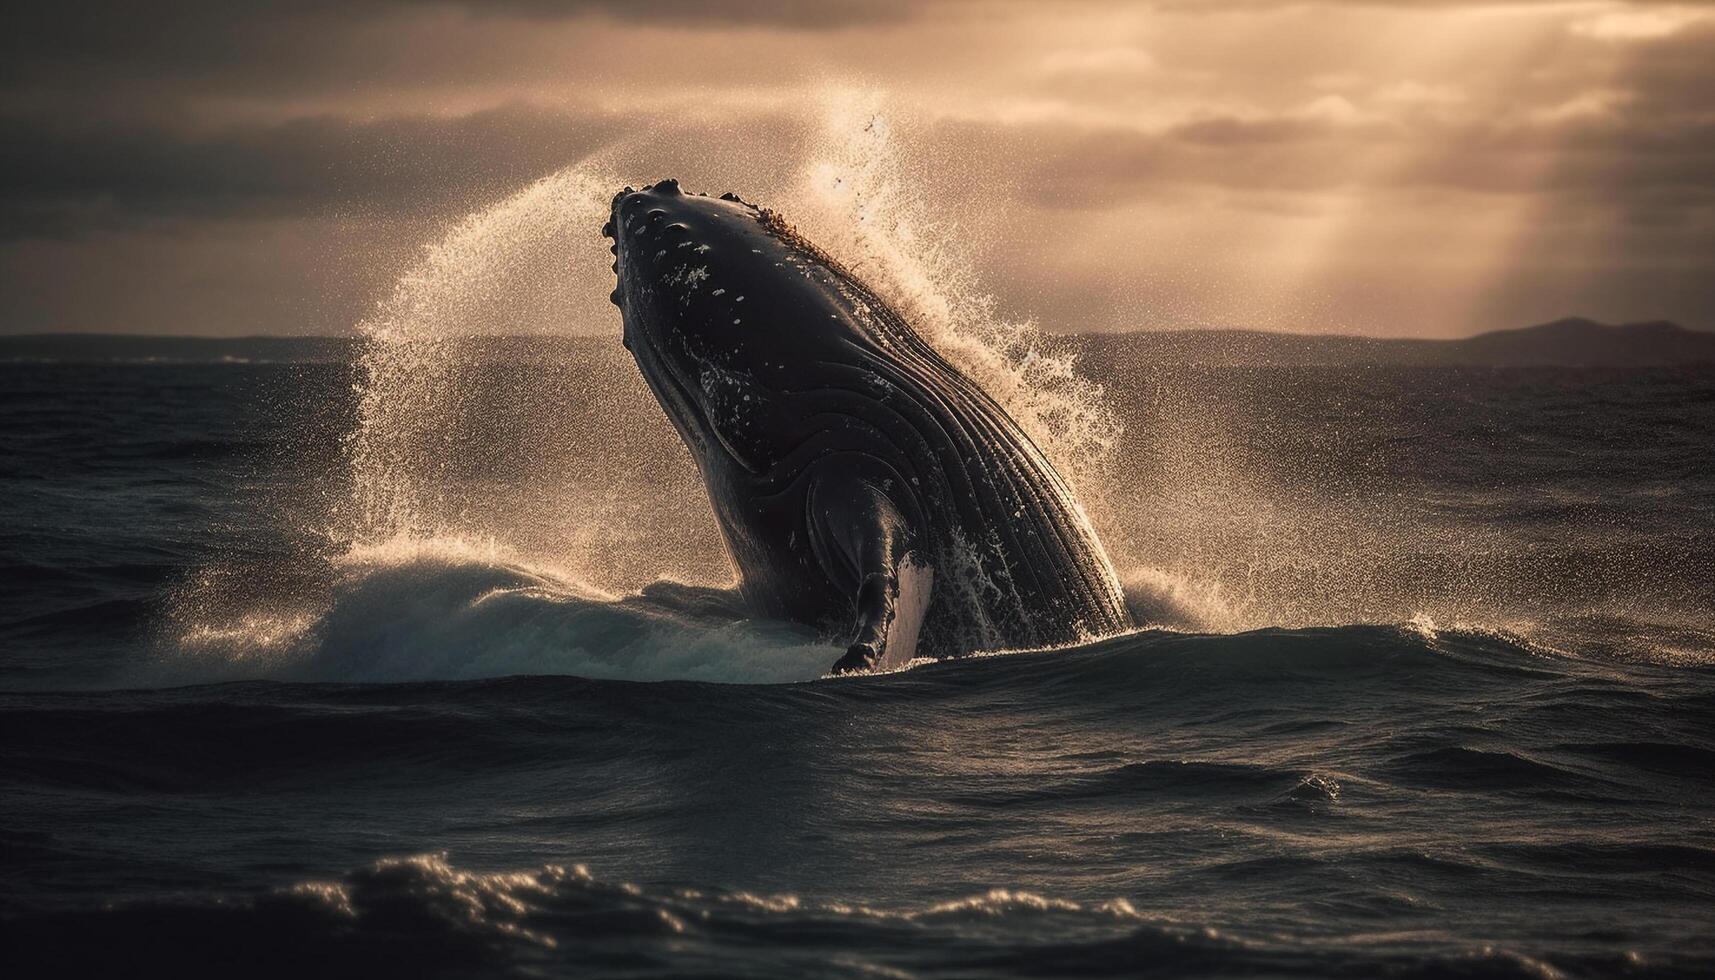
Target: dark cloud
117,59
62,179
1611,158
219,31
1646,137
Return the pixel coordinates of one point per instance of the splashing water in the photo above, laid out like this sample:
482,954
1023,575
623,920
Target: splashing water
565,460
496,409
855,200
497,272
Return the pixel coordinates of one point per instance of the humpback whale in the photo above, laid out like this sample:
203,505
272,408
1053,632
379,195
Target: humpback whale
862,483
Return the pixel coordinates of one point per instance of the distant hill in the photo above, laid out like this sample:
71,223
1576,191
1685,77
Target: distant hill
1563,343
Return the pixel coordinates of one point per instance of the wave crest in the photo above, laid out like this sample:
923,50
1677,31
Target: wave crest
448,609
422,914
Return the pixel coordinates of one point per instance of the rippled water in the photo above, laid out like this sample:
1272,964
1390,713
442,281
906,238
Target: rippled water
1437,698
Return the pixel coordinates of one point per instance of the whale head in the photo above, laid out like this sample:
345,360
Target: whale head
722,307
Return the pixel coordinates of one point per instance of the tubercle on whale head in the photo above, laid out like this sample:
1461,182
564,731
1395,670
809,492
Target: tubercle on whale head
607,230
662,191
666,187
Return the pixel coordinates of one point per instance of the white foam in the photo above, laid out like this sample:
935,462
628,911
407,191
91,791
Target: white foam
453,610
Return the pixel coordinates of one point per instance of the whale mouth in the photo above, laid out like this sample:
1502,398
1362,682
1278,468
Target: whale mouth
672,391
682,406
657,368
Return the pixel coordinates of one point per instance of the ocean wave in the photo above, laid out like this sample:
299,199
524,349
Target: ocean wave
452,610
422,915
449,609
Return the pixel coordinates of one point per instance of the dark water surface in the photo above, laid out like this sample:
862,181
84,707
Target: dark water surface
1480,743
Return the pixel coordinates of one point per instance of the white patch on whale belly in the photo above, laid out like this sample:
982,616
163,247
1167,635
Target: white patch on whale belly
916,586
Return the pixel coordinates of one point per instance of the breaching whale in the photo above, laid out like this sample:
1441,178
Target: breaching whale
862,483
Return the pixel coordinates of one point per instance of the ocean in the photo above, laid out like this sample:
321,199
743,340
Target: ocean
357,663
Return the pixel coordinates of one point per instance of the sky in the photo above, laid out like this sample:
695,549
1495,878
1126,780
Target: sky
1423,168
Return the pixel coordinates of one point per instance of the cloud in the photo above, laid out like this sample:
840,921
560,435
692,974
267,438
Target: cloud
272,49
1584,148
1081,123
138,30
1101,61
65,179
1638,25
1414,94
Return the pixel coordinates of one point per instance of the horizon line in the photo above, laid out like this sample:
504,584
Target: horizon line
1262,331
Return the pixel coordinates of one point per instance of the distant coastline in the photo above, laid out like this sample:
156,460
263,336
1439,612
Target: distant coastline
1570,342
1563,343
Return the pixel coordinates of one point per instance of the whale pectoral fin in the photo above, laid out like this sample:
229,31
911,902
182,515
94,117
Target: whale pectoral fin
890,609
871,552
